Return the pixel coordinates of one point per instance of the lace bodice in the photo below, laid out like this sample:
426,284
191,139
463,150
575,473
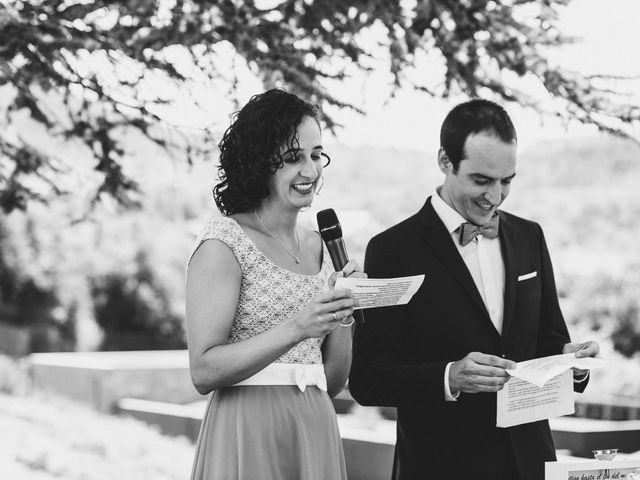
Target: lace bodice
268,292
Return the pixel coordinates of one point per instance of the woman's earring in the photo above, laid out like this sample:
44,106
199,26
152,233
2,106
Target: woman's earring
327,160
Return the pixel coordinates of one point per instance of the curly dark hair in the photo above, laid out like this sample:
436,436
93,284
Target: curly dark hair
250,148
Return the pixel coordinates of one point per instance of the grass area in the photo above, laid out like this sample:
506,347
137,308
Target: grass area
44,437
47,438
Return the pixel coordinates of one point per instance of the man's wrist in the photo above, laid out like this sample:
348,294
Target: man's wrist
448,395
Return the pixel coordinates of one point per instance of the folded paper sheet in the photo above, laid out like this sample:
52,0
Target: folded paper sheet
540,370
540,389
381,292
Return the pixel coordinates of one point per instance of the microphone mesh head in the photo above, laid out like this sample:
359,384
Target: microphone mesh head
329,225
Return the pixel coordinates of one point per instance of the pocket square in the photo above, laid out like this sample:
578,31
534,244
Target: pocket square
527,276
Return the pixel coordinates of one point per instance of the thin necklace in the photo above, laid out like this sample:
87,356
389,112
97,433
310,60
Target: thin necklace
296,257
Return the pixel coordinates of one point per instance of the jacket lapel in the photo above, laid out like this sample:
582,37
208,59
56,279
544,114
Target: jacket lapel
508,242
439,239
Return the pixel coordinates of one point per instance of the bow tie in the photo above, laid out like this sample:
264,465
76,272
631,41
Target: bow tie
469,231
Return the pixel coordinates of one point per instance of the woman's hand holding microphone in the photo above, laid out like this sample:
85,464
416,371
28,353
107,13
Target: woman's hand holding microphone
330,309
351,269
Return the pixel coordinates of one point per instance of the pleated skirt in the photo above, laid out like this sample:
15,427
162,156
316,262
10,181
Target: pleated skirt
269,432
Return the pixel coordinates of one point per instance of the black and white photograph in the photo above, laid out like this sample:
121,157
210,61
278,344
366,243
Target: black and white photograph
319,240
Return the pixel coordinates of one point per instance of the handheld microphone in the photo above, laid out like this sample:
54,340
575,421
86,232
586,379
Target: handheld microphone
331,233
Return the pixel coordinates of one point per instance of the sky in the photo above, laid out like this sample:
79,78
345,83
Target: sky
609,36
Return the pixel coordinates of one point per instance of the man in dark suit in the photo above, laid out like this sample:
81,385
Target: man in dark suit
488,300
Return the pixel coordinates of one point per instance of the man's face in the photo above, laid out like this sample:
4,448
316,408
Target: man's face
483,178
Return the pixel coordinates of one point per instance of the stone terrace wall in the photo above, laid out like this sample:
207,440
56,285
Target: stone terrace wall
102,378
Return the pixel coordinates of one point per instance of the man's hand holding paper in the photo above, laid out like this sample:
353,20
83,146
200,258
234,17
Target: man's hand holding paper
540,370
582,350
542,388
479,372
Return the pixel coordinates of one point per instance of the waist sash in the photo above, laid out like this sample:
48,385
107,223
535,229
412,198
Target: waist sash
302,375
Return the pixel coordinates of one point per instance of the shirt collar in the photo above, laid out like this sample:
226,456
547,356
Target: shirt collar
451,219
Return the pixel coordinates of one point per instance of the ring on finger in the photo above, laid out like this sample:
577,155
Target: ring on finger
335,317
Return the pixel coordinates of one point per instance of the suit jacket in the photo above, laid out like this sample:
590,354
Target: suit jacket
400,353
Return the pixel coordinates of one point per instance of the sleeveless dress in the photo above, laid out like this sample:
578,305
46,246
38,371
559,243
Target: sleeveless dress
267,428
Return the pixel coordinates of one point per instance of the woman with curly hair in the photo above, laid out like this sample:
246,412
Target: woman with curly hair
263,319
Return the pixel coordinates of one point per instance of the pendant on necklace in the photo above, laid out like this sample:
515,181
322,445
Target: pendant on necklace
296,257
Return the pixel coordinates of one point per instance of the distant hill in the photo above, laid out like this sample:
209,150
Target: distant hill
585,192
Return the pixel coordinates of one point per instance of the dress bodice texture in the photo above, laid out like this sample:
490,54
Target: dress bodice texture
268,293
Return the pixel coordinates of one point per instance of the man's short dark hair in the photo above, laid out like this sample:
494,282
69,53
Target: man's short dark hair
468,118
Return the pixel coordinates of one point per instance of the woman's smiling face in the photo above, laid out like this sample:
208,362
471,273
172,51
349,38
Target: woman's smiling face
294,185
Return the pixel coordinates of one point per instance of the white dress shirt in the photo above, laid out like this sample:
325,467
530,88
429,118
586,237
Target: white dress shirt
483,258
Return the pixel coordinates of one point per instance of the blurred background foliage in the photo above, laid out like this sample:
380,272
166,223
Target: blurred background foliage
117,281
133,308
114,281
30,286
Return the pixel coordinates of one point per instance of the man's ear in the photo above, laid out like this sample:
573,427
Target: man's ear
444,163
